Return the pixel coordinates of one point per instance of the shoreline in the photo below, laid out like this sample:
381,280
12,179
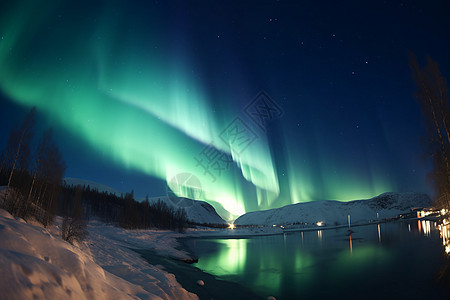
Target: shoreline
250,234
187,276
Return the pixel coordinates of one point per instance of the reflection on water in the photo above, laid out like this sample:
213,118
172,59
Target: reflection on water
231,259
426,227
445,234
379,232
326,264
444,273
351,244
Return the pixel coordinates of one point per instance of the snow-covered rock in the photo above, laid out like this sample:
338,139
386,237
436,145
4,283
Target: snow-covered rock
331,212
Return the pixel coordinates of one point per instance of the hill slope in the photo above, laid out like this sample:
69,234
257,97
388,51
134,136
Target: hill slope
197,211
334,212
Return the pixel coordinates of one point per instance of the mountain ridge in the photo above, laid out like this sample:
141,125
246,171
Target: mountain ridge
386,205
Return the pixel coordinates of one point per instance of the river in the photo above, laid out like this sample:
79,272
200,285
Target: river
403,260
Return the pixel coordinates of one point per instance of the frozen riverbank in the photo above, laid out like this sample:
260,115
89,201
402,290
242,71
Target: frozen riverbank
37,264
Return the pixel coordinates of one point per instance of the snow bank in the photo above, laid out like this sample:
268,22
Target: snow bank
387,205
37,264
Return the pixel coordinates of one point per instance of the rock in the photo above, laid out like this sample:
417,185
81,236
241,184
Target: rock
271,298
200,282
190,260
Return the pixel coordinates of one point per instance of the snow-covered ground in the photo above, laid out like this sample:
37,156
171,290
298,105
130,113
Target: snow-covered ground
387,205
37,264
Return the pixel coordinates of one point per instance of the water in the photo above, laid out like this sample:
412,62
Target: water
386,261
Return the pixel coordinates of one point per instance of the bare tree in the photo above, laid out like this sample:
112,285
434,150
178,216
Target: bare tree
432,95
74,225
21,141
15,162
50,178
32,193
46,137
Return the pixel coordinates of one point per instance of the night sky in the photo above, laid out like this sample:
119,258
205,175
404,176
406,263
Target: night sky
250,104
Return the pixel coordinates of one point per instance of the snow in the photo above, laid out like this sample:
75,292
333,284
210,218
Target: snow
333,213
37,264
197,211
387,205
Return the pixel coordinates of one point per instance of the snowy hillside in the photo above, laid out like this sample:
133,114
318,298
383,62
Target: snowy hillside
335,213
37,264
197,211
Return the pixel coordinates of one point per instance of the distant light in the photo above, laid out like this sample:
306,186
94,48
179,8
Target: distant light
231,226
320,223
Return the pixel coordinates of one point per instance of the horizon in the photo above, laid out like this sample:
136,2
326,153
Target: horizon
225,215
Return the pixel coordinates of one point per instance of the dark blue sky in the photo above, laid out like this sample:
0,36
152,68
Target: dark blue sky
350,126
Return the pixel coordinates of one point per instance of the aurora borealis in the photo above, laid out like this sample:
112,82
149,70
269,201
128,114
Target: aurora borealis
144,89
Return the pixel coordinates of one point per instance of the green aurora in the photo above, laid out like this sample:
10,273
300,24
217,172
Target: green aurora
130,94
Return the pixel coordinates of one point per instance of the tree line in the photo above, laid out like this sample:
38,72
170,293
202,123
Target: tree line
125,211
32,175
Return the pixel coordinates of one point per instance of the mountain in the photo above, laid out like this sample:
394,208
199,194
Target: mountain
332,212
197,211
222,212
